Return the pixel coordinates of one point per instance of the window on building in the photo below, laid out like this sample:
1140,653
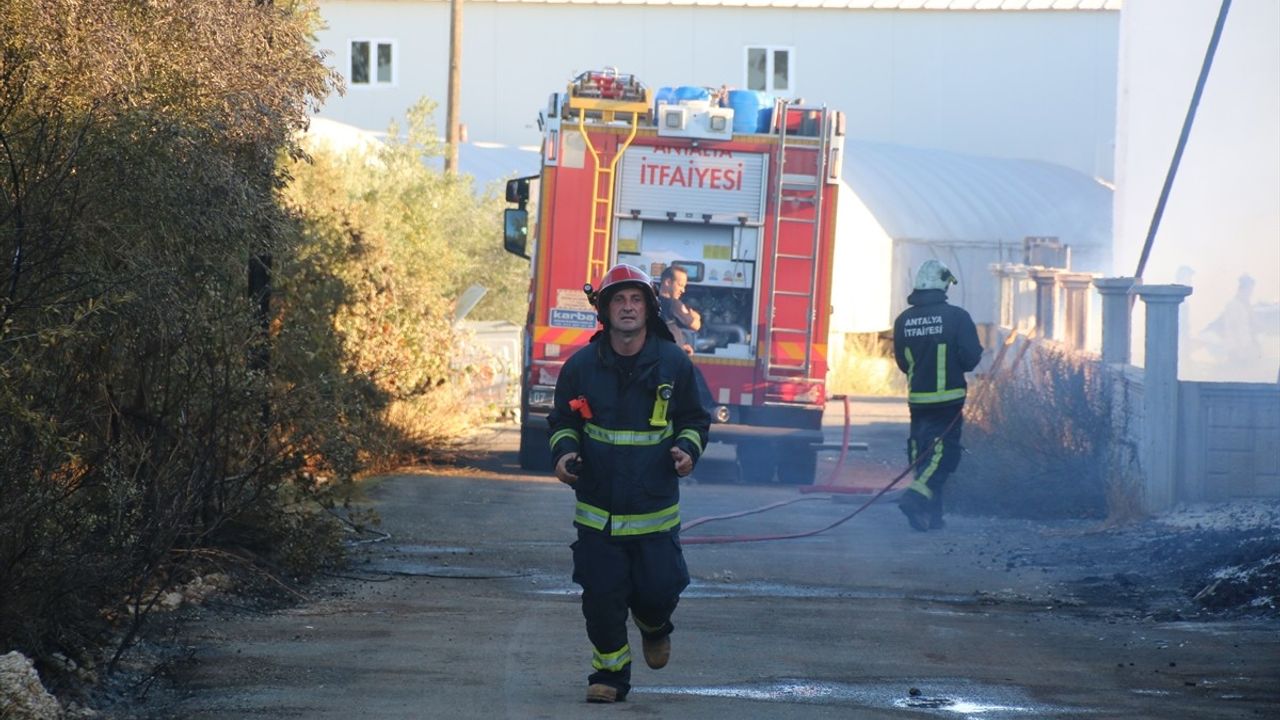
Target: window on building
372,62
769,69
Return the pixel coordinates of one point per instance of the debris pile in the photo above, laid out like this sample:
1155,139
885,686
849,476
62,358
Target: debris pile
1202,562
22,696
1248,586
1233,557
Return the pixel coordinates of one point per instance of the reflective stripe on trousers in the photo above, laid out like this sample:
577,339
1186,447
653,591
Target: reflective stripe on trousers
613,662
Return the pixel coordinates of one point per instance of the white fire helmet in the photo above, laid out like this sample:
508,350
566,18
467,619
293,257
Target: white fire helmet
933,275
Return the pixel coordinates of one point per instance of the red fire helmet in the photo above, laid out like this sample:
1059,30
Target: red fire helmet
624,273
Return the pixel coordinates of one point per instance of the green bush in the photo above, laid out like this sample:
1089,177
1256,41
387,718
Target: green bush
138,176
391,244
156,420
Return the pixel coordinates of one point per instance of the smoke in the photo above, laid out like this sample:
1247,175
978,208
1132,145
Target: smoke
1222,220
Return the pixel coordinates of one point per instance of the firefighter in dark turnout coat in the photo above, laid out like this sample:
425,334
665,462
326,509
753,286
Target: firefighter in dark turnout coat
626,425
935,344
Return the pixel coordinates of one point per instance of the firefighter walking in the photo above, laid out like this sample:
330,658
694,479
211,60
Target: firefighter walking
626,425
935,344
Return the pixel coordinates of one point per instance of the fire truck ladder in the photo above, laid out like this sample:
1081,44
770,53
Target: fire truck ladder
605,95
602,198
796,189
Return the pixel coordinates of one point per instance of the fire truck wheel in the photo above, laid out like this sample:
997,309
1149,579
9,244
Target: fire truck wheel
757,461
534,454
798,463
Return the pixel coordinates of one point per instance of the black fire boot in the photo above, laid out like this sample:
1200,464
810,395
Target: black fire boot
916,507
935,509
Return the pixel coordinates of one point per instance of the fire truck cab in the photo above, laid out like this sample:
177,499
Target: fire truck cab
741,197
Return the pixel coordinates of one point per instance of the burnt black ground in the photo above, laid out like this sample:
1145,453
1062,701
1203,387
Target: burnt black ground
1169,568
1151,569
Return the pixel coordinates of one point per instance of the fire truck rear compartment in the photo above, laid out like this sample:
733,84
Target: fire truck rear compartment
719,261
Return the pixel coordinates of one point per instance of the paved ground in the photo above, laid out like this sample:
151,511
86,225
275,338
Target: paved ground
467,611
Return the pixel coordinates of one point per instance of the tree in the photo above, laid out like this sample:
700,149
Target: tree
138,173
392,244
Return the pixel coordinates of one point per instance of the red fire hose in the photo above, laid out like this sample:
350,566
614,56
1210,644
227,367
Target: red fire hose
844,449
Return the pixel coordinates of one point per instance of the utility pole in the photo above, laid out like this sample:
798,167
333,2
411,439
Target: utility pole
455,88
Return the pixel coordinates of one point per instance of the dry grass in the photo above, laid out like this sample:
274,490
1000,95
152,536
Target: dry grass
1040,441
437,423
866,367
1123,486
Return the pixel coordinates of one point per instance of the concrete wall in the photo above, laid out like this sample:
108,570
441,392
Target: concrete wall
1192,441
1022,84
1228,436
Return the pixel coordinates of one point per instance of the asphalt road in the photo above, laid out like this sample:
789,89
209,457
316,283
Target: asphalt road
467,611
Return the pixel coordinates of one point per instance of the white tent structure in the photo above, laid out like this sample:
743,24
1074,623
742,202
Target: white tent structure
486,163
900,206
489,163
339,137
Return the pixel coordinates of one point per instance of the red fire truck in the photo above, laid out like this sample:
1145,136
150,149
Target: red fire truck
745,205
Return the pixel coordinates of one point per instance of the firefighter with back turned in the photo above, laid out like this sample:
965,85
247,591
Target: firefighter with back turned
935,344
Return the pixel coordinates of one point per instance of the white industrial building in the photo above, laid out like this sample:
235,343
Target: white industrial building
1032,79
971,124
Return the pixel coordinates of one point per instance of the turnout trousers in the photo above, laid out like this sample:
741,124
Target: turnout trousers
644,575
941,458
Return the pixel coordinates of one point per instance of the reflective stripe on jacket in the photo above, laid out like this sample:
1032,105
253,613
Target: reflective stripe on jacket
628,486
935,344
